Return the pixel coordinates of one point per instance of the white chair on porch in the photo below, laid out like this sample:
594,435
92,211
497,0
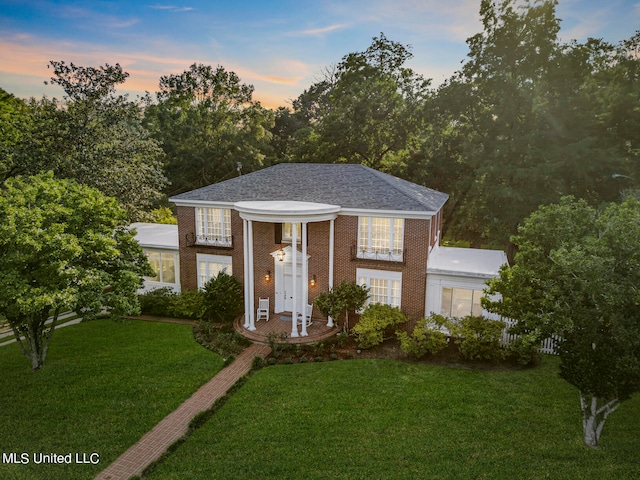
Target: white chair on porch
306,316
263,309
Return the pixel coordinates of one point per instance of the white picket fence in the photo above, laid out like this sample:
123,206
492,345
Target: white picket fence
547,343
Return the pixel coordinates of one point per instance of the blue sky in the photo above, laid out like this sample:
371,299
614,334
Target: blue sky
280,47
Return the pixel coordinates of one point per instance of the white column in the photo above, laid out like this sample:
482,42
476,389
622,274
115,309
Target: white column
245,251
305,280
252,315
294,272
331,259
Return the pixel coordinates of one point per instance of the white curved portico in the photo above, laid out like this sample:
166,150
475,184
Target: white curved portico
283,211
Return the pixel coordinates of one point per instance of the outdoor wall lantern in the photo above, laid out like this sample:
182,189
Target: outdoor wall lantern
312,282
281,255
267,276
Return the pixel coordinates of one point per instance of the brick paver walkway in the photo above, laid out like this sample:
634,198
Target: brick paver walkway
153,444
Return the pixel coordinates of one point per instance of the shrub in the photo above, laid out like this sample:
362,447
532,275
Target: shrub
189,304
277,342
480,338
224,341
428,336
158,302
524,349
257,363
223,298
374,322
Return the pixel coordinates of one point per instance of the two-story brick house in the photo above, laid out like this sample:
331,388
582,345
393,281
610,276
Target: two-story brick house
347,223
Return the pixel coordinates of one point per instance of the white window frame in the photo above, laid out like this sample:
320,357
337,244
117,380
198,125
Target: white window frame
475,293
160,275
208,266
367,239
287,231
365,275
213,226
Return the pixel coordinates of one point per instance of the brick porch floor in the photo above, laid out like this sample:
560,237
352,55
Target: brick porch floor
317,331
153,444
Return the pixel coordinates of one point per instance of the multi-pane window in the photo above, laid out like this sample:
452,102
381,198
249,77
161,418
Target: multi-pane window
163,266
380,238
384,287
460,302
213,226
287,232
210,266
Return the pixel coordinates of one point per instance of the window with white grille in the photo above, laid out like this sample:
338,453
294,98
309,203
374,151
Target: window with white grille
384,287
210,266
380,238
213,226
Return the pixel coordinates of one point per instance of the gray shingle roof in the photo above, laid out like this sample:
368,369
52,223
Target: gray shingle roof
347,185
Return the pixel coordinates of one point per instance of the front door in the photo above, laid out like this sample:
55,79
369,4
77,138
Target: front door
287,290
284,281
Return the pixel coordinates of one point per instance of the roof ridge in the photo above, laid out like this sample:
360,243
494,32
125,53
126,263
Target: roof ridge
386,177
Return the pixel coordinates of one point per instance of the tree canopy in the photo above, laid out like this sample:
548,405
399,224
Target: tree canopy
527,119
63,246
95,137
576,276
366,110
209,126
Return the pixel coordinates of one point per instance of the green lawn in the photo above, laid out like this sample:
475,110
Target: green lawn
365,419
105,384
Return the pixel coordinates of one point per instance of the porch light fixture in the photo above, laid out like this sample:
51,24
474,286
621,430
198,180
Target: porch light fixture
267,276
312,282
281,255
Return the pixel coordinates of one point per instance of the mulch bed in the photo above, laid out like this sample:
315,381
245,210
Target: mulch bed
389,349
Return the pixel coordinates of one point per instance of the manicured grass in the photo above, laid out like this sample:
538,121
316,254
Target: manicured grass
104,385
364,419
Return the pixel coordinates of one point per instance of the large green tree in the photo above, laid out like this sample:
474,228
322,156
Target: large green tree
527,120
94,136
63,246
209,126
13,124
366,110
576,276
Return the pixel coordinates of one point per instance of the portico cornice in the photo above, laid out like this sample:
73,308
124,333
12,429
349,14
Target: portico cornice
286,211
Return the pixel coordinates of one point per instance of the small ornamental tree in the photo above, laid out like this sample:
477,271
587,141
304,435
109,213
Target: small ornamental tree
63,246
576,276
344,298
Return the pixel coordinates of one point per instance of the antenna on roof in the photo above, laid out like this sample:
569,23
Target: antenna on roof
239,168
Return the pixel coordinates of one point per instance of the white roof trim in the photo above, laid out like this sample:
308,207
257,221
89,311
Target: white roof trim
387,213
341,210
201,203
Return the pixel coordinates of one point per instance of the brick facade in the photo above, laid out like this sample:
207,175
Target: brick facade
418,235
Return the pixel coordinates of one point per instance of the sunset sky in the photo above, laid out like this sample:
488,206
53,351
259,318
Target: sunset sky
279,47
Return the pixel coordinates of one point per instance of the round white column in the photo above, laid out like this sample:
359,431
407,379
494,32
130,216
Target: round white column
305,280
294,274
245,251
252,318
331,261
